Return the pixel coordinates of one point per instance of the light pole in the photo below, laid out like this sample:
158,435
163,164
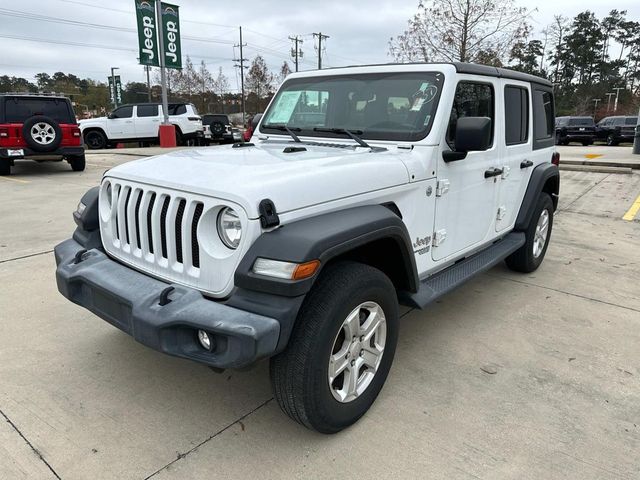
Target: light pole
113,82
609,95
595,105
615,104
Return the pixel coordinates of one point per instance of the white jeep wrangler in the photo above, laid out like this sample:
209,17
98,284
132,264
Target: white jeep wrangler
364,188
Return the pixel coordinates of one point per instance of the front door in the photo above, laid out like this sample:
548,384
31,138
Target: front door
120,123
466,197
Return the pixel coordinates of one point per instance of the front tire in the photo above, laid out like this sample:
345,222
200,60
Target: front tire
95,140
529,257
340,350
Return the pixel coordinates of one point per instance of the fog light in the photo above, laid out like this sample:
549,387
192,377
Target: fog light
204,339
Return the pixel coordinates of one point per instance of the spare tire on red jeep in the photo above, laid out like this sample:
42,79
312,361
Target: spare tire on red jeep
42,134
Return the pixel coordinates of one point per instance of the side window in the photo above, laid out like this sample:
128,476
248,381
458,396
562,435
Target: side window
123,112
179,109
147,111
542,115
619,122
516,113
471,100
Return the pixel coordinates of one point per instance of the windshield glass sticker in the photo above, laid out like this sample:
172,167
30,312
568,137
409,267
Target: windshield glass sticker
284,108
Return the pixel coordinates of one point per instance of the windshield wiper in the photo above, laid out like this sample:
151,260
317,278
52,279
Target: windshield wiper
351,133
284,128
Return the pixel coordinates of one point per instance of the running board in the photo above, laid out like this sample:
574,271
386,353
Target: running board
438,284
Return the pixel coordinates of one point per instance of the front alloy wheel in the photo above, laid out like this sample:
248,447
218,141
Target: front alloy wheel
340,350
357,352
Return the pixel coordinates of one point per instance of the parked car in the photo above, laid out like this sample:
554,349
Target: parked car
220,129
300,246
252,124
38,127
140,123
615,130
575,129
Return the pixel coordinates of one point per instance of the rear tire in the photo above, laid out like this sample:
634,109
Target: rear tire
5,167
77,163
529,257
346,299
611,140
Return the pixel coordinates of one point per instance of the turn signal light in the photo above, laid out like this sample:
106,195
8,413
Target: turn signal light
76,132
306,270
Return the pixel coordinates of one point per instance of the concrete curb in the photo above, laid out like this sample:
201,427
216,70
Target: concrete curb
596,169
602,163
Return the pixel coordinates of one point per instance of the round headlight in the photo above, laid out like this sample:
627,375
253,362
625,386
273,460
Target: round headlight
229,227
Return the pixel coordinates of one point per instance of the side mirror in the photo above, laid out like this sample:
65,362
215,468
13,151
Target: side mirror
111,116
254,122
473,134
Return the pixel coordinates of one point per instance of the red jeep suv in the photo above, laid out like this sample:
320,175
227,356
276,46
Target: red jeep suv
38,127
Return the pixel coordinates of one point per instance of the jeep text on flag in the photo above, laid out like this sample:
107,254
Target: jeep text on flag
171,35
147,32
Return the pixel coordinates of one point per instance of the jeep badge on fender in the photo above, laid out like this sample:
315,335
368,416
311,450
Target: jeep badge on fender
300,246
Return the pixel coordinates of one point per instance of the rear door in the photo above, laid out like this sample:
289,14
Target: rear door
147,121
465,198
120,123
516,151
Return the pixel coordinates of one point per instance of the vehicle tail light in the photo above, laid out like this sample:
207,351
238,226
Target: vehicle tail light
75,132
194,119
555,158
4,132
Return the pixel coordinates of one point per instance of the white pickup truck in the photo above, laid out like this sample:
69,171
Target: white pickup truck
363,188
139,123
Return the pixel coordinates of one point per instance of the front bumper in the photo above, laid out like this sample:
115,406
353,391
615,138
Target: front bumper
27,152
130,301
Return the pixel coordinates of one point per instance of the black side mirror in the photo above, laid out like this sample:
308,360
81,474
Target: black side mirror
254,121
111,116
473,134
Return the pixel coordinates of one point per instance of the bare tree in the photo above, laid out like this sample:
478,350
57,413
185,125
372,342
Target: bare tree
461,30
285,70
221,86
259,83
557,32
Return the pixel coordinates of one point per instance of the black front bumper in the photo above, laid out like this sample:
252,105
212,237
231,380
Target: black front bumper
130,301
27,152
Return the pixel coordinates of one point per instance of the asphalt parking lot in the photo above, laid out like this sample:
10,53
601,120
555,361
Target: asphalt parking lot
79,399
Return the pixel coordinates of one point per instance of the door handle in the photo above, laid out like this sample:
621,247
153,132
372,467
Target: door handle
492,172
129,121
526,164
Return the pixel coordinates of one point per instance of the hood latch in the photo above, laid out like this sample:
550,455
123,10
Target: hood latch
268,215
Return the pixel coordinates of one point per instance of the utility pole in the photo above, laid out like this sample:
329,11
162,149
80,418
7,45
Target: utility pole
609,95
296,53
615,104
240,65
320,37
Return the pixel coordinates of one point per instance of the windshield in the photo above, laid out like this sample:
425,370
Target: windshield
389,106
588,121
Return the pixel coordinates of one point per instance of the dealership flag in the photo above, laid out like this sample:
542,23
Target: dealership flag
148,32
171,36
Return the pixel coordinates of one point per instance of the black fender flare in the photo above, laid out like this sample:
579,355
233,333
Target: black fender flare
544,174
325,237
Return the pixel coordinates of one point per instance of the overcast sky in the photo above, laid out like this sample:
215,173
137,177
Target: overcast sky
359,32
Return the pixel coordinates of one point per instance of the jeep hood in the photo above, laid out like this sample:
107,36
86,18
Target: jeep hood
250,174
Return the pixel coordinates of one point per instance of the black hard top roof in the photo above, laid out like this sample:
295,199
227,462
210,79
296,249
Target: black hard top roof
473,69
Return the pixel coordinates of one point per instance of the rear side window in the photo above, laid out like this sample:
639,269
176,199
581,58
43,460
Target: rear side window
516,112
147,111
631,121
18,109
180,109
471,100
543,118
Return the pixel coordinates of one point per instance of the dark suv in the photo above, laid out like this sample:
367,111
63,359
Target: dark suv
220,128
38,127
575,129
615,130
